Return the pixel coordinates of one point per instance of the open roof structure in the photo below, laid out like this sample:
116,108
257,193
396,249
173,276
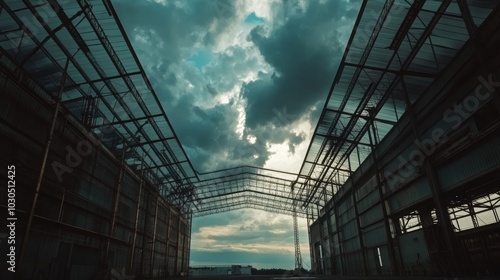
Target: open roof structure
396,50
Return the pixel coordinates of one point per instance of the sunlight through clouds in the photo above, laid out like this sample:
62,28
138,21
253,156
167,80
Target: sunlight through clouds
242,83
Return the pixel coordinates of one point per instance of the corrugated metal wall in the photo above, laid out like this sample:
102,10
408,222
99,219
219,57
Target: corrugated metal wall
70,233
460,167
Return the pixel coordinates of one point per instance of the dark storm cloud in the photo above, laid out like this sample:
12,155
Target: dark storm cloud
164,37
304,52
300,44
211,144
178,24
211,90
291,58
229,67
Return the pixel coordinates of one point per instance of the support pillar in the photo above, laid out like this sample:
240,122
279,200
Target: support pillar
331,253
358,225
154,238
136,223
167,251
425,217
378,171
311,245
178,243
45,156
189,243
360,233
145,233
341,251
115,209
445,225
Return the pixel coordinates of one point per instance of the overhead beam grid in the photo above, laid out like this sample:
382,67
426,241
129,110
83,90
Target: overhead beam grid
396,50
390,59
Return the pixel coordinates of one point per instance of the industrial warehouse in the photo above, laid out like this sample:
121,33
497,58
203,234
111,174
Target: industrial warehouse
401,176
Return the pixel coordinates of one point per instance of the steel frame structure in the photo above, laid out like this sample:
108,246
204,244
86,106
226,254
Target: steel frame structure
399,58
122,112
107,90
79,54
396,50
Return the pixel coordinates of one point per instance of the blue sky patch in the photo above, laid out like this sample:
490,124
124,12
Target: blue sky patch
253,18
200,58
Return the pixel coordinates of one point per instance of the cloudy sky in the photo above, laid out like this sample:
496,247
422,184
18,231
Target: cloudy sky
243,83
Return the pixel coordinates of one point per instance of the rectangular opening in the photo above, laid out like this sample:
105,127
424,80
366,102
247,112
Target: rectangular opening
379,256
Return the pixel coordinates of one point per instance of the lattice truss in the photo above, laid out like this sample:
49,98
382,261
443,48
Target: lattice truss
247,187
395,52
397,49
105,88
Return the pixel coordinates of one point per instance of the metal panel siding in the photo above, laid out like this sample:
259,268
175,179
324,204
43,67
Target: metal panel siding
349,229
413,248
333,222
324,228
351,245
354,263
315,234
416,192
89,193
368,201
482,157
371,216
374,235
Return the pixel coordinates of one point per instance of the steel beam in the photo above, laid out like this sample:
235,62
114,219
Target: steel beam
395,72
124,121
467,18
405,26
136,221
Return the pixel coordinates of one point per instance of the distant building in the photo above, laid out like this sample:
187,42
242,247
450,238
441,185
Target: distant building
220,270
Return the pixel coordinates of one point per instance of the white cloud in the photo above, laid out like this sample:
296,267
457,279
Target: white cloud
251,231
288,63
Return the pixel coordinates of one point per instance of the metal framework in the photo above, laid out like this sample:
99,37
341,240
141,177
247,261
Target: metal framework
105,88
390,60
298,255
246,186
402,59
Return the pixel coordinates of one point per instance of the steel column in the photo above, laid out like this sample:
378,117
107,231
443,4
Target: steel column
167,251
115,209
360,233
44,163
136,221
441,209
373,143
154,238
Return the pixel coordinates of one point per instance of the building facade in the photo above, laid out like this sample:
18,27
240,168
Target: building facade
425,201
84,204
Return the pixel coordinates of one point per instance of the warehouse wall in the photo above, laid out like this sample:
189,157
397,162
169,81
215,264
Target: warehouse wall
352,235
94,217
